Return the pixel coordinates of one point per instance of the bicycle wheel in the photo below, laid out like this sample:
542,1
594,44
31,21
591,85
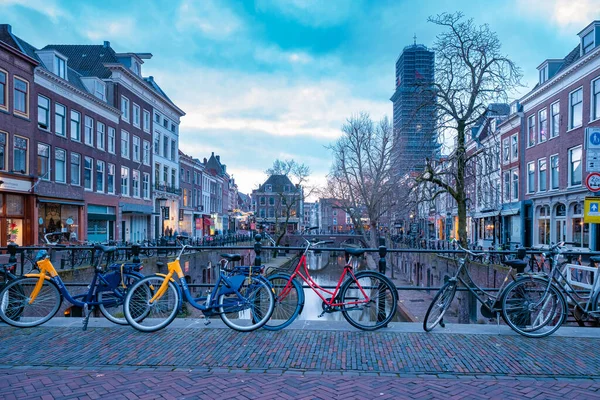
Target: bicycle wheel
521,311
288,307
370,301
111,300
252,310
150,317
439,305
15,306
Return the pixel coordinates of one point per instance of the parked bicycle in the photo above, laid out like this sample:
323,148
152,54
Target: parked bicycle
535,304
491,302
244,301
36,297
366,299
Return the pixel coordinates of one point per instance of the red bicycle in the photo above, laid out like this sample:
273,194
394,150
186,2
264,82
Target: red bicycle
366,299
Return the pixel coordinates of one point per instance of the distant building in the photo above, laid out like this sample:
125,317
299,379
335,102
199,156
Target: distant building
414,111
275,200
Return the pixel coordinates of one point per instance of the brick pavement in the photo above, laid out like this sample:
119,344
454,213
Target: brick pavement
212,363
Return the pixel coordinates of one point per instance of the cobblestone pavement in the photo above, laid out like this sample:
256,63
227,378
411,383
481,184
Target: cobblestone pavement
118,362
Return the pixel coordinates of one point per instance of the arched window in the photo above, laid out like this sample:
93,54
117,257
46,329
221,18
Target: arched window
580,231
544,225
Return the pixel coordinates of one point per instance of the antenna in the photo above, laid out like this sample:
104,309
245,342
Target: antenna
415,38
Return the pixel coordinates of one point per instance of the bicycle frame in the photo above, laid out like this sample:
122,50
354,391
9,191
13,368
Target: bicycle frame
348,270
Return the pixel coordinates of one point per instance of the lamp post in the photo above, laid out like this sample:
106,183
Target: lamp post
161,204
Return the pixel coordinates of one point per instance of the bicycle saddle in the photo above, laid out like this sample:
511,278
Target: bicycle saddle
232,257
355,252
105,249
519,265
595,259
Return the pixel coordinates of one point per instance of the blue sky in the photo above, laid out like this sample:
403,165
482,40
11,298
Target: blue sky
267,79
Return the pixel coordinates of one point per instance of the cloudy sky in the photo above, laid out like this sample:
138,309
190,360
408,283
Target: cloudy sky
267,79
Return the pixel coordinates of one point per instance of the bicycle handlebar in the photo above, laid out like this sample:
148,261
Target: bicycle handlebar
457,243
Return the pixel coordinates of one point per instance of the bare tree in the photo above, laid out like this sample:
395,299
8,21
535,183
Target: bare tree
364,171
471,72
289,197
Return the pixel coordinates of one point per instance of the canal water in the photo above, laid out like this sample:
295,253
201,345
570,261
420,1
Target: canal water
325,269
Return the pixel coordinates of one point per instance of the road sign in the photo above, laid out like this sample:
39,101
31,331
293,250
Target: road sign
593,181
592,165
591,210
593,138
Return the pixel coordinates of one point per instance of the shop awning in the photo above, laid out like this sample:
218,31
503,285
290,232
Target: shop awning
61,201
101,217
511,210
206,221
130,208
486,214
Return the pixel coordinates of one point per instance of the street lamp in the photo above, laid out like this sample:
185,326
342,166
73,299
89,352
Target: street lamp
162,202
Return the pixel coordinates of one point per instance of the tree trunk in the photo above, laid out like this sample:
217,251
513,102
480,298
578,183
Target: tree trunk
461,161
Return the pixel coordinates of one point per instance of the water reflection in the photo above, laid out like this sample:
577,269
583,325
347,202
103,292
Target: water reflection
325,269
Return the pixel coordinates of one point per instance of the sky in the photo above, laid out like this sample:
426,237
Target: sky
276,79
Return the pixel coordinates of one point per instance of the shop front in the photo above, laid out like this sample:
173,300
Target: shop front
62,217
101,222
135,222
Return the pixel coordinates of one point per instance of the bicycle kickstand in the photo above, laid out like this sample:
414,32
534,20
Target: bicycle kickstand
86,316
442,323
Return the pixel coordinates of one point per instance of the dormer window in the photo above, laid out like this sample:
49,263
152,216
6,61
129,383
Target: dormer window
99,90
544,74
587,42
60,67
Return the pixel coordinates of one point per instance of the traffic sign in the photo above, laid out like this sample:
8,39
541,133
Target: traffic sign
591,210
593,138
593,181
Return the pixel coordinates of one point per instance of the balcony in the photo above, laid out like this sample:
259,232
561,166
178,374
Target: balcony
161,187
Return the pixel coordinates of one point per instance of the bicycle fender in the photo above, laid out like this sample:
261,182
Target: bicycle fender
46,277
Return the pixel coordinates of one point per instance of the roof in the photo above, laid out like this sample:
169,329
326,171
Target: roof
277,183
154,86
88,59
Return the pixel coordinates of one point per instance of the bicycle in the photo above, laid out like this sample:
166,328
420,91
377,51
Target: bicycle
535,304
490,302
243,301
36,297
366,299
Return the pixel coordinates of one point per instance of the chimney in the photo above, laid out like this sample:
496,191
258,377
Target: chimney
106,44
151,78
204,160
218,158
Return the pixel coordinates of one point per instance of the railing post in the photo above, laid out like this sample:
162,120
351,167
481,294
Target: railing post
135,252
12,250
382,254
382,267
257,250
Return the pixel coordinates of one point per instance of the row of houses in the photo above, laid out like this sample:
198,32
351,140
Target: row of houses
89,147
526,178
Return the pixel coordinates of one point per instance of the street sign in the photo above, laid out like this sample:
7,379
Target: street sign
414,228
593,181
592,149
593,138
591,210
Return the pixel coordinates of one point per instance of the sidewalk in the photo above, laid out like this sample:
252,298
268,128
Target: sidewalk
320,360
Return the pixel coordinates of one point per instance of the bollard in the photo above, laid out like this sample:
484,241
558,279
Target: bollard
257,250
135,252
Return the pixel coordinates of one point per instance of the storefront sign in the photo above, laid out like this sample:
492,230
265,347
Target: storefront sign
591,210
16,185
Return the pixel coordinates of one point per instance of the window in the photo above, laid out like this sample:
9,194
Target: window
125,108
174,151
60,67
146,155
587,43
136,149
88,135
575,166
60,120
555,122
544,225
596,99
75,126
99,90
544,74
87,173
543,126
531,131
554,172
111,140
100,140
156,144
43,112
156,174
99,176
530,177
188,176
136,115
542,175
146,186
43,161
575,108
146,121
165,153
515,147
125,181
135,183
157,117
21,97
515,184
269,188
60,166
166,123
110,179
124,144
3,90
166,175
271,201
173,177
75,169
2,151
20,155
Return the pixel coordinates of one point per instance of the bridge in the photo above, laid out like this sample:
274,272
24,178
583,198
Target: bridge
339,240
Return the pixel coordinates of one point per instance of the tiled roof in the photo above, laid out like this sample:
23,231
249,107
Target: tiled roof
277,183
154,86
88,60
573,56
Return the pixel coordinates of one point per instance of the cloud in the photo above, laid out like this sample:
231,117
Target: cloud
315,13
212,20
113,28
568,15
49,8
